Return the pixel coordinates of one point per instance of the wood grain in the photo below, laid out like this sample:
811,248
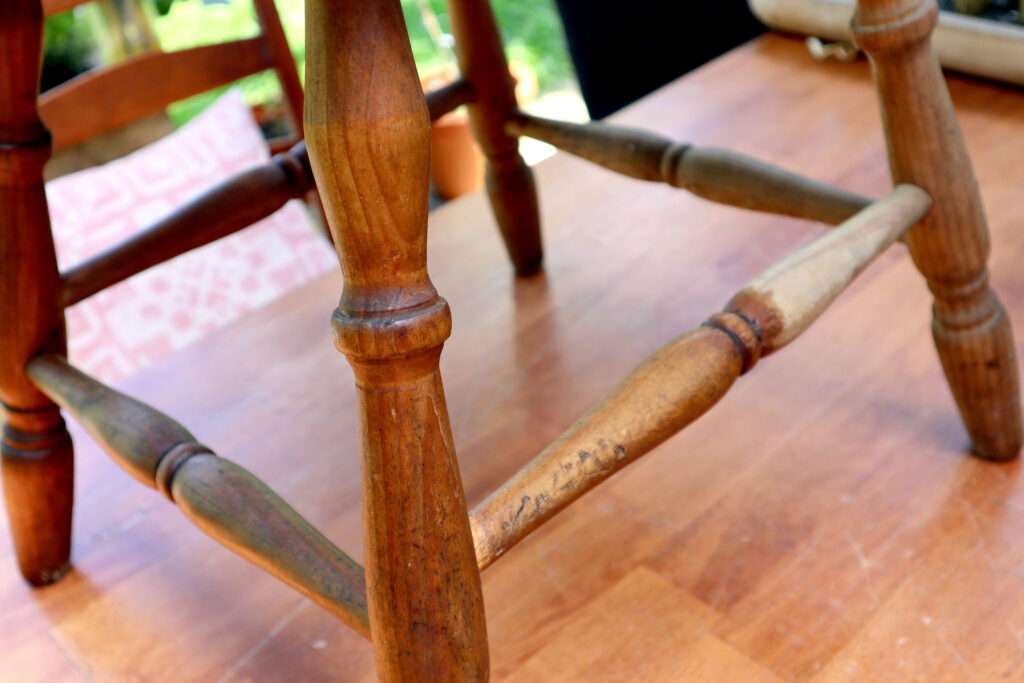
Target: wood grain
227,208
38,472
718,175
971,330
70,110
368,129
225,501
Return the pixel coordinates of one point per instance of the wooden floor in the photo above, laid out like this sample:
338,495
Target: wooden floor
823,523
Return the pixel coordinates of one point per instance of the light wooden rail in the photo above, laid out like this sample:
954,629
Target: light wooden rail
229,207
684,378
70,110
224,500
714,174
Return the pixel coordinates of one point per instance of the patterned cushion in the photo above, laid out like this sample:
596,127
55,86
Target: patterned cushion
132,324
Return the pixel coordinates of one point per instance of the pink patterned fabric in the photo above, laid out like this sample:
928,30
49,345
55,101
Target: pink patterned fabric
132,324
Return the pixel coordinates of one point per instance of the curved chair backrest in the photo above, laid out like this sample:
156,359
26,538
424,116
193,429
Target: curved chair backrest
146,84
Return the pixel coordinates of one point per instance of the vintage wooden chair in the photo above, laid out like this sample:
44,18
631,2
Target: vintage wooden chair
367,123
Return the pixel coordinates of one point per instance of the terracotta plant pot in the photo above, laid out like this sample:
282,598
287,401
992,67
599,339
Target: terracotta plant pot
456,162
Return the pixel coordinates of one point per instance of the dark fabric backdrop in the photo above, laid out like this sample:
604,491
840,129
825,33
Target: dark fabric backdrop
624,49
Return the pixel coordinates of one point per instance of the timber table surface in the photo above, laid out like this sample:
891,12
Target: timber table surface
821,523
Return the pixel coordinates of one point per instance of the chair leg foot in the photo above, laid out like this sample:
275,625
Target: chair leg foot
950,246
513,196
981,367
38,480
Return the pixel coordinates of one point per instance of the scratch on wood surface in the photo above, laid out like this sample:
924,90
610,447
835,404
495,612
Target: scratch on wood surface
866,566
934,628
982,546
862,559
1018,658
255,649
78,667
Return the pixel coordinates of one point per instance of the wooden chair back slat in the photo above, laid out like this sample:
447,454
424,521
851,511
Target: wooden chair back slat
74,111
51,7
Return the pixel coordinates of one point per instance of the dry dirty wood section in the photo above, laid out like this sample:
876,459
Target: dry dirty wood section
822,523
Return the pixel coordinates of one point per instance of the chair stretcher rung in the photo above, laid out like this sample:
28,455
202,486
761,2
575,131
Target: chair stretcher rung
224,500
227,208
449,97
687,376
718,175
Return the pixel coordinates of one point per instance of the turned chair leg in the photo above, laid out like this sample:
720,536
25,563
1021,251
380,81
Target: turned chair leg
37,465
950,246
510,185
368,135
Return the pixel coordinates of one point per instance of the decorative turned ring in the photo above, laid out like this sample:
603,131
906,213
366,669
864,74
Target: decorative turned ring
173,459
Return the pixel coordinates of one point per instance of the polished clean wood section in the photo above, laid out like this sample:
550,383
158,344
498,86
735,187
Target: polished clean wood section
822,522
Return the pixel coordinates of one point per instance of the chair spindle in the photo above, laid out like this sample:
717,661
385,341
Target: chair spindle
231,206
36,451
224,500
449,97
684,378
284,63
718,175
950,247
510,184
367,127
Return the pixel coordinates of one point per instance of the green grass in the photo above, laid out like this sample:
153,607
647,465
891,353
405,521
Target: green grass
531,30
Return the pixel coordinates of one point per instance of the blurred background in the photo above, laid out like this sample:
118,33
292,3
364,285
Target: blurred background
574,59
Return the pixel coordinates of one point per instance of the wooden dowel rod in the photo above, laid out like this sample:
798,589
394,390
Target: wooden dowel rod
714,174
227,208
448,97
224,500
687,376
